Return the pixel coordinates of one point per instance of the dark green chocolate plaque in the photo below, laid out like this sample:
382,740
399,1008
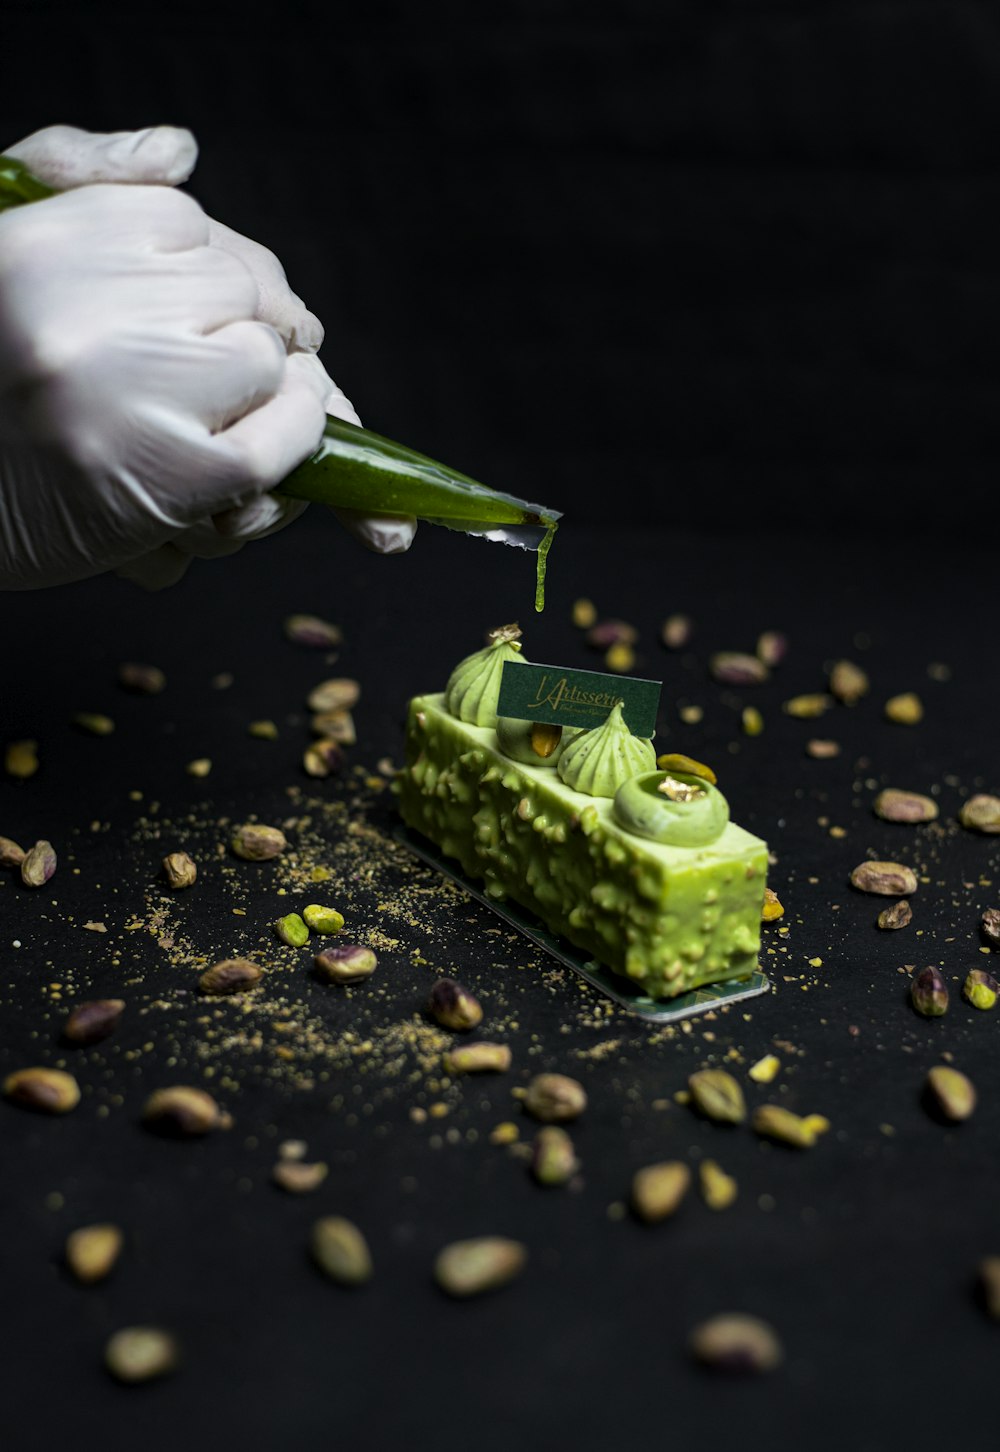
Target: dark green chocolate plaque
583,699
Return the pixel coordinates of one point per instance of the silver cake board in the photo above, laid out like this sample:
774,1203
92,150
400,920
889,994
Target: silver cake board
685,1005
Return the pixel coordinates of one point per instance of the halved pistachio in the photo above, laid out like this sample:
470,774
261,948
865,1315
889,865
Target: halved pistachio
231,975
718,1096
718,1189
981,813
676,761
554,1098
553,1157
775,1122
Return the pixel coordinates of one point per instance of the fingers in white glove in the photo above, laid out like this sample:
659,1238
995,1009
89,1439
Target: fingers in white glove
276,303
384,534
66,157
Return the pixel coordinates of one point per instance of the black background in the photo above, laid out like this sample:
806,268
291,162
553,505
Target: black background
728,271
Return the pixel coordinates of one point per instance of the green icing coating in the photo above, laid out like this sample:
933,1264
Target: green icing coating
669,918
598,762
473,687
514,740
641,807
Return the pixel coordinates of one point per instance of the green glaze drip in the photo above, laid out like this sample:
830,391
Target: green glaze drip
541,562
473,687
641,807
597,762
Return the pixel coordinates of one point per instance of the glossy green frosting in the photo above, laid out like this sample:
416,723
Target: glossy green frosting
691,813
598,762
473,687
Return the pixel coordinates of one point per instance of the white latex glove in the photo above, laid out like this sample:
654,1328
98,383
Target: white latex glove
147,401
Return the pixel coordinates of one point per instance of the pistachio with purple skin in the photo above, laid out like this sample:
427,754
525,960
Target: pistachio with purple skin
93,1021
929,993
339,694
322,758
346,964
11,855
453,1006
49,1091
989,927
735,668
887,879
312,631
893,805
256,843
607,633
232,975
335,726
980,989
39,864
772,647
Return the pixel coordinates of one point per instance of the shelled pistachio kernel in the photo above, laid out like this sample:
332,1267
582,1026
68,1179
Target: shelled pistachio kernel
341,1251
39,864
620,657
21,759
848,682
257,843
980,988
584,614
322,758
453,1006
772,909
775,1122
736,1343
478,1058
893,805
231,975
471,1267
345,964
657,1190
141,1353
201,766
92,1252
263,730
718,1189
553,1157
606,633
93,1021
821,749
322,919
772,647
807,707
765,1071
299,1178
11,853
906,709
735,668
981,813
94,723
752,721
179,869
886,879
676,761
50,1091
554,1098
292,930
336,726
144,680
339,694
676,631
951,1093
989,1285
718,1096
313,631
900,915
181,1111
929,993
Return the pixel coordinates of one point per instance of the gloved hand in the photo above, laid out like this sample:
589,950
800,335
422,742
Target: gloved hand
157,375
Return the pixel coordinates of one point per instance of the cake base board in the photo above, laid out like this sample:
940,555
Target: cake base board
612,985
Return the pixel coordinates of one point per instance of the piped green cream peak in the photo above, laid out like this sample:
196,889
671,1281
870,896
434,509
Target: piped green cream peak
473,688
598,762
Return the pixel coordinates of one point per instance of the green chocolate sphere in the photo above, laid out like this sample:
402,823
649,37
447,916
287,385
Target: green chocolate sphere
640,807
514,740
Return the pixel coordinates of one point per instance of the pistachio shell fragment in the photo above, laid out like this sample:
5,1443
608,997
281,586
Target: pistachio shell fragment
893,805
257,843
775,1122
737,1343
887,879
929,993
49,1091
553,1158
311,630
453,1006
339,694
735,668
981,813
341,1251
676,761
232,975
718,1096
11,855
554,1098
471,1267
182,1112
92,1252
848,682
657,1190
39,864
141,1353
718,1189
981,989
478,1058
21,759
93,1021
950,1093
345,964
900,915
906,709
180,869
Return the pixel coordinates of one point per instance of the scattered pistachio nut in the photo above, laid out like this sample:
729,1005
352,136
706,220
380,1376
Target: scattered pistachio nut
322,919
263,730
620,658
583,614
477,1058
341,1251
735,668
848,682
453,1006
94,723
752,720
311,630
981,989
257,843
893,805
821,749
989,1285
92,1252
607,633
951,1093
179,869
141,1353
292,930
11,855
554,1098
718,1189
773,1121
201,766
900,915
231,975
297,1177
322,758
887,879
772,647
765,1071
94,1020
181,1112
39,864
674,761
337,726
737,1343
929,993
989,927
676,631
345,964
471,1267
905,710
772,908
50,1091
981,813
718,1096
339,694
144,680
807,707
21,759
553,1157
657,1190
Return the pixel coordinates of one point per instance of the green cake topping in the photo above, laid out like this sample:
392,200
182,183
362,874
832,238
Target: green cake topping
598,762
535,743
676,807
473,687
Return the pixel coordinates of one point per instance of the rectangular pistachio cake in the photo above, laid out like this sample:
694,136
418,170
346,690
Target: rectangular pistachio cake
669,917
